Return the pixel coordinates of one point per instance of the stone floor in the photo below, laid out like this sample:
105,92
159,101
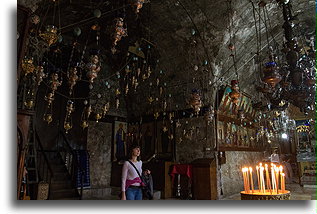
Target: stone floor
297,193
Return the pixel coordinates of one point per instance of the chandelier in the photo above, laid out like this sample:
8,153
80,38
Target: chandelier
294,81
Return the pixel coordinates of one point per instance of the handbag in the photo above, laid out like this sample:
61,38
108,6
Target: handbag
146,187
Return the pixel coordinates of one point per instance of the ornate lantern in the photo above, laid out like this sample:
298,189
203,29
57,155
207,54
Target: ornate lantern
137,5
68,122
105,109
85,115
55,83
40,74
194,101
119,32
234,94
28,66
49,35
93,68
72,79
271,75
209,115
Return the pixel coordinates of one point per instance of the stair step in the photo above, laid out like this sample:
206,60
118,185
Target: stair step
64,185
59,169
32,168
70,198
60,177
57,194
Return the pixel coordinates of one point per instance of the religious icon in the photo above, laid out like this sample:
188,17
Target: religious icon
165,139
221,132
133,136
147,140
119,145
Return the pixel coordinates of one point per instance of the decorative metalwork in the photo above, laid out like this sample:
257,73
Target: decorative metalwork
72,79
50,35
28,66
68,121
119,32
195,101
234,94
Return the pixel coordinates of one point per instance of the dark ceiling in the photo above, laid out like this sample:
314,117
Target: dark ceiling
184,34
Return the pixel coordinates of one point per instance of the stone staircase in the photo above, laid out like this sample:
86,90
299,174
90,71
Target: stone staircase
61,184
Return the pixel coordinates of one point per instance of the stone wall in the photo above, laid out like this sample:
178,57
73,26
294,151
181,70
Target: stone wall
99,148
194,139
230,172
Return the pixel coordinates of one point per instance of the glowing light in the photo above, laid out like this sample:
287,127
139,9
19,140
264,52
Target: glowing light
284,136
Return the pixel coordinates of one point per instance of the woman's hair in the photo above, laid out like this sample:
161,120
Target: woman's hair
133,146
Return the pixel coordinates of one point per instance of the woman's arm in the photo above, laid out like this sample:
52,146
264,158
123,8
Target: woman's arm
124,179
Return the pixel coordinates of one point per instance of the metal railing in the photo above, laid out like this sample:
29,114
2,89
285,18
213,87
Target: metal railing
69,157
45,171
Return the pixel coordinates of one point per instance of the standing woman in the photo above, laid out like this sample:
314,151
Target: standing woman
131,182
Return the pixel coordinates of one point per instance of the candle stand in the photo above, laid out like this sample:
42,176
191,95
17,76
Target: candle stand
257,195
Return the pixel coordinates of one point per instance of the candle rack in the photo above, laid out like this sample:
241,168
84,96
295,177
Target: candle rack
270,183
257,195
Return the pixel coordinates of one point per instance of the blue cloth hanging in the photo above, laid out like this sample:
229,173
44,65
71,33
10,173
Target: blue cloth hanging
82,158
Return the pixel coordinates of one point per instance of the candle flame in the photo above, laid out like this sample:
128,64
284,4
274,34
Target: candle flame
250,169
283,174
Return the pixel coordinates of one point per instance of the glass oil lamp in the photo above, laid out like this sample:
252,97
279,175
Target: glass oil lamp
105,109
28,66
194,101
234,94
72,79
68,122
40,75
50,35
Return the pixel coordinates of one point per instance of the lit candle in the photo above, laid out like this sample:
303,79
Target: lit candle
248,180
252,187
262,179
281,171
257,173
273,178
244,182
268,183
283,182
277,178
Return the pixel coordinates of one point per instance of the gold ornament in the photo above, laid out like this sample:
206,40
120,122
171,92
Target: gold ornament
98,117
50,35
150,99
156,115
49,98
55,83
48,118
84,124
105,108
40,74
72,79
117,103
119,32
27,66
68,122
194,101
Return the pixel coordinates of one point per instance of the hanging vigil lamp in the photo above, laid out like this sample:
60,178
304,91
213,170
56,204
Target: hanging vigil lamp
234,94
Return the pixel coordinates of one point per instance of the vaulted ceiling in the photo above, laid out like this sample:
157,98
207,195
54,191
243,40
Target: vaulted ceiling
190,38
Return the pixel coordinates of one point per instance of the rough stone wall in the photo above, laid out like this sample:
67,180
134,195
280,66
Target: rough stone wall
193,140
230,172
99,148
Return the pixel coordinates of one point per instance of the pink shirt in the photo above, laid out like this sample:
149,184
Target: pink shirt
129,175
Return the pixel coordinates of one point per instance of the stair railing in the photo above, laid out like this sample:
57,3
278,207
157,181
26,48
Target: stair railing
44,167
68,155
